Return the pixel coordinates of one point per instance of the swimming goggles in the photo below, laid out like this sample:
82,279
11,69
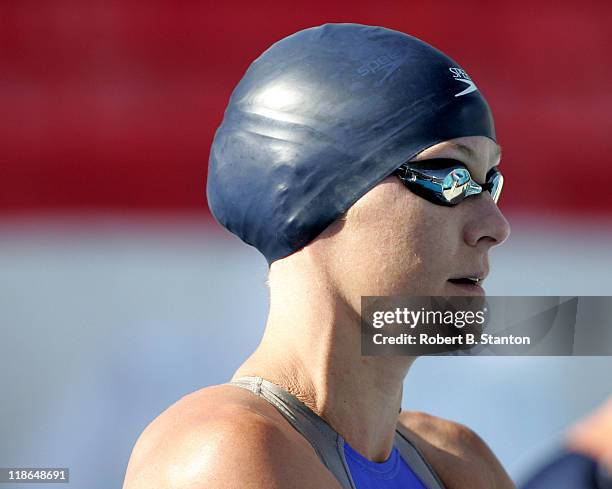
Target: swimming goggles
447,182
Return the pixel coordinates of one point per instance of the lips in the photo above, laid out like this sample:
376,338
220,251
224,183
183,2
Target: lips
470,283
470,278
466,280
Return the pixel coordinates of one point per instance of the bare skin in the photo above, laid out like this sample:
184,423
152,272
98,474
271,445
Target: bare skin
592,435
390,242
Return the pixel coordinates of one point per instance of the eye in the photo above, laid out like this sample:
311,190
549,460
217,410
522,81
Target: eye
459,175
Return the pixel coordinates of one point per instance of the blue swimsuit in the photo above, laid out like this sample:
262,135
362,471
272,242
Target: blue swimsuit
405,468
393,473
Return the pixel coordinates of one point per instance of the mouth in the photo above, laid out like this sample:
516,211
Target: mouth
469,285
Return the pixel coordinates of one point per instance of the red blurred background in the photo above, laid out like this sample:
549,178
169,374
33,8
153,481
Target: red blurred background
113,105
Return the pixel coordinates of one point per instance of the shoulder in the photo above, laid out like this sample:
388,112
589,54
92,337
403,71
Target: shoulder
223,437
458,455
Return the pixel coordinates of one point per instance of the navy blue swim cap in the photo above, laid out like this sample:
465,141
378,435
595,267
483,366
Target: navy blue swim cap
323,116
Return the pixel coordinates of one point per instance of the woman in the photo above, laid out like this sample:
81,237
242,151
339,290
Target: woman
359,161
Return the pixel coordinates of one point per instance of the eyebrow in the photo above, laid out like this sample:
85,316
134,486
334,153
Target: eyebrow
469,153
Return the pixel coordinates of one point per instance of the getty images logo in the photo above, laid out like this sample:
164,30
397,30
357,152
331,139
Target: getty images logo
462,76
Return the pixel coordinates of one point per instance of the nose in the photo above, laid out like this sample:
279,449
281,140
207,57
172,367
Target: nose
487,226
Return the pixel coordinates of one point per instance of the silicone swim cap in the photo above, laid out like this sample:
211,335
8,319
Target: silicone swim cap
320,118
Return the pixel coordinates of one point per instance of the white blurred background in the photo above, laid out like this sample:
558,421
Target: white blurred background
106,322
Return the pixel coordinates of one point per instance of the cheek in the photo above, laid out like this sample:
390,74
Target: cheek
426,246
400,244
434,232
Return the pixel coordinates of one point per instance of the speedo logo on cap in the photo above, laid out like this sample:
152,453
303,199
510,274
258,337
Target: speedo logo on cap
462,76
387,62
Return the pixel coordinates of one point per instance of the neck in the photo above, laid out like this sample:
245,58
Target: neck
311,348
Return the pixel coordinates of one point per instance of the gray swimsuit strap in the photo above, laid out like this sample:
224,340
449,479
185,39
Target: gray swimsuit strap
328,444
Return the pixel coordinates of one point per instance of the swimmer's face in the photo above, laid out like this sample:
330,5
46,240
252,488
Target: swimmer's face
393,242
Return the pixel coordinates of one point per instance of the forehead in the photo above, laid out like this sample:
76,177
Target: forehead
477,152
